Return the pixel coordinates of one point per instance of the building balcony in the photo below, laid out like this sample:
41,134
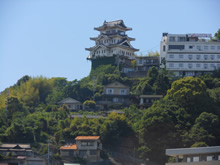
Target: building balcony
215,60
192,51
214,162
190,69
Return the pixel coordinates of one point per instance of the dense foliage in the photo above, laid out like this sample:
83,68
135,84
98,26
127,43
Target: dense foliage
188,115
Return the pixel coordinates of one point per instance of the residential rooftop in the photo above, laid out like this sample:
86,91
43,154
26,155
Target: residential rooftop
87,137
191,151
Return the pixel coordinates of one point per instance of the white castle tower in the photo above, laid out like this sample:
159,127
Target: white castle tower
112,41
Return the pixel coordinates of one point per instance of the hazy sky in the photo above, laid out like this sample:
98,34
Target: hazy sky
49,37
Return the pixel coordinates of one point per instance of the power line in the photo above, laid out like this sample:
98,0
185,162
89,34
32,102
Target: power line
149,49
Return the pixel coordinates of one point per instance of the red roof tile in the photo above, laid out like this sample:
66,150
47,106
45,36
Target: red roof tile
70,147
87,137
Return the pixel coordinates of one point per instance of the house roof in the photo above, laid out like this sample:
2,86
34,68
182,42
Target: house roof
68,101
151,96
112,24
191,151
69,147
87,137
15,146
116,84
87,116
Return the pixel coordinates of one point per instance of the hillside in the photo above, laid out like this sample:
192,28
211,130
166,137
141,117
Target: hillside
187,116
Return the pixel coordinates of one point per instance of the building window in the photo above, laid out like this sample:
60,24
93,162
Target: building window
206,47
198,47
190,56
205,57
198,57
218,47
177,47
164,48
87,143
197,65
190,47
181,65
188,159
109,91
212,65
82,152
218,56
122,91
172,39
180,55
115,100
212,47
171,65
190,65
182,39
195,158
84,143
140,61
212,57
218,65
171,56
205,66
92,152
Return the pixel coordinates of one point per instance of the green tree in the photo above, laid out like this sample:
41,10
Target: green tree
160,127
114,127
206,129
190,93
13,106
90,103
23,80
217,35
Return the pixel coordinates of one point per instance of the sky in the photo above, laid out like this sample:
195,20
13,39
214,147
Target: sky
48,37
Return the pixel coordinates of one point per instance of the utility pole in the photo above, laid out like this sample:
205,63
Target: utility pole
48,154
94,77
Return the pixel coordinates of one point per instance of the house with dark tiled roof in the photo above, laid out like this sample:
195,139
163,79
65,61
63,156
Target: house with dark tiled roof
115,94
72,104
21,154
16,149
87,147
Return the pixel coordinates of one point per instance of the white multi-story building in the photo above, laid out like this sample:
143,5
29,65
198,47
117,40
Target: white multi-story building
195,156
189,54
111,41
